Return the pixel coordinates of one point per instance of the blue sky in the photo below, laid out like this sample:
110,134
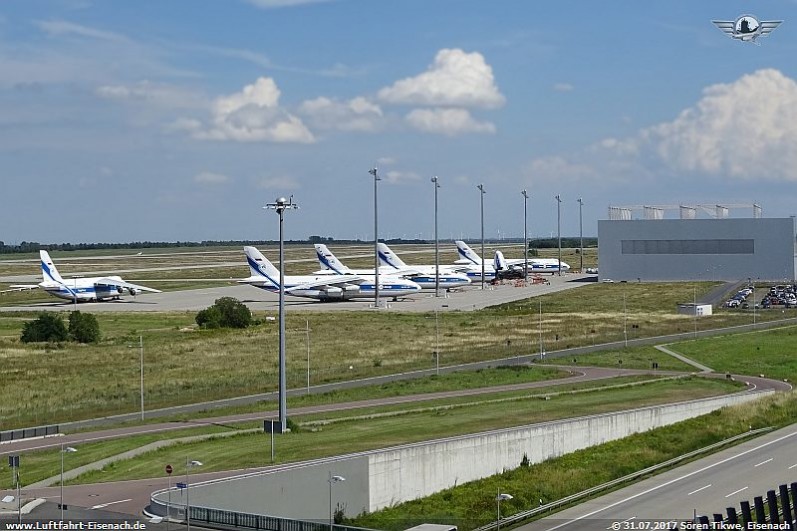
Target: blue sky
152,120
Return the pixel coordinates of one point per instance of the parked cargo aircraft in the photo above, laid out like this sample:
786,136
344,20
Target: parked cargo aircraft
423,277
391,260
322,287
80,289
536,265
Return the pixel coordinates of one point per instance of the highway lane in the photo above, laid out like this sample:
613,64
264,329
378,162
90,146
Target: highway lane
703,487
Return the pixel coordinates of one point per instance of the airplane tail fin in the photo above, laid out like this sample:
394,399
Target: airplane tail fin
466,253
259,265
329,260
389,258
49,272
499,262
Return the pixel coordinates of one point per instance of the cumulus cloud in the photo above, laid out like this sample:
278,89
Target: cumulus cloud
563,87
207,177
358,114
278,183
746,129
251,115
456,78
400,177
450,122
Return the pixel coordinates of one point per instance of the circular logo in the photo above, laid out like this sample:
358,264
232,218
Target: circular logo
168,469
746,24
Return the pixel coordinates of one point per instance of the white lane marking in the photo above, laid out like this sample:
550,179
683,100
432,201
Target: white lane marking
667,483
764,462
794,465
698,490
103,505
735,492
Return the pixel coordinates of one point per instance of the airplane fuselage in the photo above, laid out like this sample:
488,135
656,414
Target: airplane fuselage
84,289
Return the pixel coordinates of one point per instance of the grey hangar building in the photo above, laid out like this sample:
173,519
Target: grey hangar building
727,249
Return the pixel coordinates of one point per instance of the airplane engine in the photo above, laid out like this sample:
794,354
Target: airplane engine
133,291
332,293
120,290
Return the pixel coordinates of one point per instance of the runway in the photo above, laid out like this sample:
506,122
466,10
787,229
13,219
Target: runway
467,299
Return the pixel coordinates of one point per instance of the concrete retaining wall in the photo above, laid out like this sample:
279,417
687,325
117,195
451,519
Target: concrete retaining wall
381,478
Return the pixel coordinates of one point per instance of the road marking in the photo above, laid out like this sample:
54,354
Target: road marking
735,492
794,465
103,505
765,462
698,490
670,482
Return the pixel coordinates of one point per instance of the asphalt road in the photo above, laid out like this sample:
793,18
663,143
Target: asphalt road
702,487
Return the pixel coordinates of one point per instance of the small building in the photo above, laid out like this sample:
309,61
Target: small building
691,308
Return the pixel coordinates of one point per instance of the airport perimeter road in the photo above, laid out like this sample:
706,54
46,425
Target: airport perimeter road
703,487
470,298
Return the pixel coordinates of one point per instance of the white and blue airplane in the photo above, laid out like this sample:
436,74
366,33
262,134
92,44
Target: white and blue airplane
421,276
391,261
536,265
327,287
80,289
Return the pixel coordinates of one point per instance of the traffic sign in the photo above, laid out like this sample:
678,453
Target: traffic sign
181,485
168,469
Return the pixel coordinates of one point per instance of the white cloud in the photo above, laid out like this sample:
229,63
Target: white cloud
400,177
746,130
563,87
386,161
251,115
358,114
156,94
455,78
278,183
450,122
207,177
60,28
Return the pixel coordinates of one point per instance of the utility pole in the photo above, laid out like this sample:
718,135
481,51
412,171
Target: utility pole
373,171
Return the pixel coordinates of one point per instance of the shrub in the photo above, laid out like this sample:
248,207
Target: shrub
226,312
47,327
83,327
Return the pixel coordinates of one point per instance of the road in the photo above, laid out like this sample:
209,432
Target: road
703,487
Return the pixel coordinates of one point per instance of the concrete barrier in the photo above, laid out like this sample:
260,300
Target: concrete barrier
382,478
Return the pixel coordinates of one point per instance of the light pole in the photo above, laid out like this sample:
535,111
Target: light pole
580,235
481,204
307,336
64,449
280,206
141,360
498,499
436,183
373,171
525,235
332,479
625,321
188,465
559,230
436,343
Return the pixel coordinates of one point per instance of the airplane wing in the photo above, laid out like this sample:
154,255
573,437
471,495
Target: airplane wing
123,284
20,287
333,282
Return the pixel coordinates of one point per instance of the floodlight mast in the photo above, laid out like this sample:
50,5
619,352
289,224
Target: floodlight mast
280,206
436,183
481,209
374,172
525,235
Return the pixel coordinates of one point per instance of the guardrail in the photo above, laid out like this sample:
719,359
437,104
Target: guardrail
26,433
518,517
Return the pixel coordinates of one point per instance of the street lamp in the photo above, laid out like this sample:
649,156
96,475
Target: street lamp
141,371
280,206
332,479
525,235
559,230
188,465
373,171
436,183
581,235
481,204
498,499
64,449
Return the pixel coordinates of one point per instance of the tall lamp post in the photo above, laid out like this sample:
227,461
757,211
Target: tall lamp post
525,235
559,230
436,183
332,479
481,208
64,449
502,496
373,171
280,206
141,363
580,235
188,465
